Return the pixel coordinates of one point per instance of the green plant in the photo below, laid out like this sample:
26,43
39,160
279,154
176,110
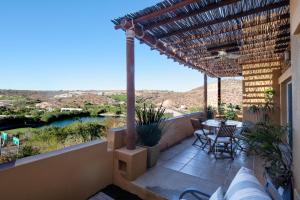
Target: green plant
269,142
28,150
221,109
210,112
262,112
231,112
150,124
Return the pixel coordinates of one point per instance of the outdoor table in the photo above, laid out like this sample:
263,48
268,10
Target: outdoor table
213,123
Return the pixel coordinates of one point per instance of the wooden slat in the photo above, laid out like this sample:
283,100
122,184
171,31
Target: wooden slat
165,10
218,35
207,8
282,38
227,18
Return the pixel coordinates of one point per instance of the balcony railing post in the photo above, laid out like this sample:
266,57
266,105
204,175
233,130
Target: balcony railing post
131,131
205,95
219,93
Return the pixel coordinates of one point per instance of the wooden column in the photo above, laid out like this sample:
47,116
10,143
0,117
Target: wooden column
219,92
205,95
131,131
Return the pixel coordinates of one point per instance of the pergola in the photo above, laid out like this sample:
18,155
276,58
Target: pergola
215,37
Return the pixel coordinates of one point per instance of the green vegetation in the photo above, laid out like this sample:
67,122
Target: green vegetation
195,109
262,112
211,112
56,115
231,112
119,97
269,142
96,110
149,124
41,140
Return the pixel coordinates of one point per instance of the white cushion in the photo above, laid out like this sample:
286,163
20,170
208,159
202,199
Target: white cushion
220,139
217,195
245,186
200,132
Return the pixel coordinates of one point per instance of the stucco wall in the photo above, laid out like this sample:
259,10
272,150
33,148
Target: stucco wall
295,59
73,173
178,129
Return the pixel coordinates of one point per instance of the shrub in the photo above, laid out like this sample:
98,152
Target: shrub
28,150
149,124
210,112
269,142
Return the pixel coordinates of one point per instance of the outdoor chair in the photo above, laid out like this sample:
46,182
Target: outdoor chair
200,133
244,186
223,141
239,138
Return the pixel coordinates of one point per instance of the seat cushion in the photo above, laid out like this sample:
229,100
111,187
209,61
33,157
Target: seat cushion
220,139
200,132
245,186
218,194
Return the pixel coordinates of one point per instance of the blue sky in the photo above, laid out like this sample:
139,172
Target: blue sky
71,44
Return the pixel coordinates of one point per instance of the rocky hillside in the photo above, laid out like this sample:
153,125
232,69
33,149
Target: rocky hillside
231,92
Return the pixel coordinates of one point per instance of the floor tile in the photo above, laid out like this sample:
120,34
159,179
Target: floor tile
193,167
174,165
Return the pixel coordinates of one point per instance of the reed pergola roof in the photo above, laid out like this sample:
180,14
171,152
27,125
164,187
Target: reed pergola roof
197,33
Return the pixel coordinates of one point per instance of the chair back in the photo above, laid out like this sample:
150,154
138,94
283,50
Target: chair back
226,130
196,123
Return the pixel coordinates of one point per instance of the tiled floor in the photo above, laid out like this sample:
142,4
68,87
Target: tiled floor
184,166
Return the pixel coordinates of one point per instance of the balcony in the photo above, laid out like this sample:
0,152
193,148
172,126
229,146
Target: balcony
185,166
82,171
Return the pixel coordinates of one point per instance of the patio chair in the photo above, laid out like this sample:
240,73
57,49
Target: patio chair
223,141
239,138
244,186
200,133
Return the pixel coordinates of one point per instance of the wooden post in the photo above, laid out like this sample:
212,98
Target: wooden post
131,131
205,95
219,93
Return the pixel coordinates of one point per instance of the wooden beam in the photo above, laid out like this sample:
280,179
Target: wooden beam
199,11
160,46
165,10
227,18
230,30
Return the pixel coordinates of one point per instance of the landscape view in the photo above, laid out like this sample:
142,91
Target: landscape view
149,100
34,122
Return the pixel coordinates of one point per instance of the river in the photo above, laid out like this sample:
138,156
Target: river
66,122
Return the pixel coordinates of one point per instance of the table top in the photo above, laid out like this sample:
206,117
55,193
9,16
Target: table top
217,123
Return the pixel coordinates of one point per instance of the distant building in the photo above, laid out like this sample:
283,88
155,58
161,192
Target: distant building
44,106
5,103
66,95
70,109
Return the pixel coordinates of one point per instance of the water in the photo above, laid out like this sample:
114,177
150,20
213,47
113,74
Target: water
66,122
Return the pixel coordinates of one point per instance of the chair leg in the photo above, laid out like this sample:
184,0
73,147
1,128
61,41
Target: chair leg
198,138
231,150
195,141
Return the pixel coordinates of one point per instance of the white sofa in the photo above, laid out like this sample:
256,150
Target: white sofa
244,186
